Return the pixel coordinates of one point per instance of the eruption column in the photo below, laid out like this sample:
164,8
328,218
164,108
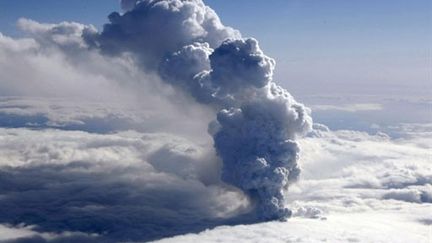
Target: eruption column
257,120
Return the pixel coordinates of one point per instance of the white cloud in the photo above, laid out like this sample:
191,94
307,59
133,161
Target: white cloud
71,180
369,113
348,178
337,228
355,187
44,85
29,234
350,107
9,233
66,35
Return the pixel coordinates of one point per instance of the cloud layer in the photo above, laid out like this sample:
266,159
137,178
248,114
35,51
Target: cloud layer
66,185
355,187
141,186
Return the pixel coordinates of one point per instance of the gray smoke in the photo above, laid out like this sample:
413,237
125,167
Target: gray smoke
257,144
155,28
257,120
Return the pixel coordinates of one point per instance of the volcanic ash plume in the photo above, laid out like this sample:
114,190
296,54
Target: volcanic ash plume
256,143
257,120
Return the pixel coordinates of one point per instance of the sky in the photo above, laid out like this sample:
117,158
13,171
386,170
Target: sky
356,47
167,124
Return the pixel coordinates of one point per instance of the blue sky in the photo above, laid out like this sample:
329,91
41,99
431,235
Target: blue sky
369,47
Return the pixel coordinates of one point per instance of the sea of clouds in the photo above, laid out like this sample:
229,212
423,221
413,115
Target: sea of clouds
138,133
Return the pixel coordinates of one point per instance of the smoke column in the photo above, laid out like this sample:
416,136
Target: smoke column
257,121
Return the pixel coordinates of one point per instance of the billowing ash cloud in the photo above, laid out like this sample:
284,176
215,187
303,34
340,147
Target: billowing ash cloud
257,120
256,143
127,5
154,28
